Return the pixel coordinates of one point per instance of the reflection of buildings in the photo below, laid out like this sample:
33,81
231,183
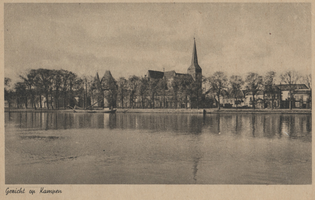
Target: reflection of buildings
52,120
237,123
258,125
213,121
194,124
196,153
196,160
174,123
271,125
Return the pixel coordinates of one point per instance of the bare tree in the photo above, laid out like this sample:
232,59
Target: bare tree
185,84
236,83
65,78
142,89
133,82
21,91
8,93
153,86
290,78
269,88
56,85
44,82
175,89
87,82
29,81
162,87
122,89
194,90
218,85
253,85
307,79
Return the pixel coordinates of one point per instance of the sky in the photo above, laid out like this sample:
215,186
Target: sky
129,39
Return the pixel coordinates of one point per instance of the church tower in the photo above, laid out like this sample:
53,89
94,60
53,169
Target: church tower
195,70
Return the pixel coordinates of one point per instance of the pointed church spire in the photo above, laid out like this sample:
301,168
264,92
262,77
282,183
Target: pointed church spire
194,69
194,59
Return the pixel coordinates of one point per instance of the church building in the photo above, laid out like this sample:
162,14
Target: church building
194,72
158,89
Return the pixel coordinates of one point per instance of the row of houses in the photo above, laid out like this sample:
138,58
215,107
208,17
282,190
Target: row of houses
279,98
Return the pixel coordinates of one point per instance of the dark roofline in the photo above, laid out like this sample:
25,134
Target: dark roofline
285,87
155,71
155,74
181,74
291,84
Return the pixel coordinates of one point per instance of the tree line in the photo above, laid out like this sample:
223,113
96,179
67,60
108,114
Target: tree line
221,86
64,89
143,92
38,83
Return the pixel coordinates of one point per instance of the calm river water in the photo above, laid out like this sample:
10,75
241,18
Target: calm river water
74,148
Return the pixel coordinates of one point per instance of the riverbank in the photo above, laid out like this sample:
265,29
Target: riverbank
35,110
181,110
216,111
262,111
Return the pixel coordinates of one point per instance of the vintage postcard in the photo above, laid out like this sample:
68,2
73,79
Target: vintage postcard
147,100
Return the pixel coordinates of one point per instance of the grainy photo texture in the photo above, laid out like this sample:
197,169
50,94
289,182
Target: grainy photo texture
158,93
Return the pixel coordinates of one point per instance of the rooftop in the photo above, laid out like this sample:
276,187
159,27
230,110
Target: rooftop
286,87
155,74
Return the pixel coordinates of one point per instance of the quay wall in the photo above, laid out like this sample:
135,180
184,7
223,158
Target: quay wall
182,111
215,110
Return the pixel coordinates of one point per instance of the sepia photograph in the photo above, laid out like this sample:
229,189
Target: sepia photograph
157,93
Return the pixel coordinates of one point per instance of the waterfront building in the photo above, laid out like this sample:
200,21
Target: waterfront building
301,95
192,80
279,97
249,100
104,91
272,98
233,101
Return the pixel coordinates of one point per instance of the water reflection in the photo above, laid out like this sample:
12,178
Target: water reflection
197,155
258,125
216,148
47,121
